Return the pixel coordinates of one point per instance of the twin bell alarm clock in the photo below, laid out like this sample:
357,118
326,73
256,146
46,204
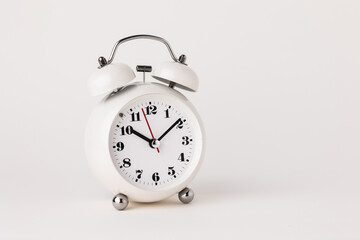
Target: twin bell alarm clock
144,140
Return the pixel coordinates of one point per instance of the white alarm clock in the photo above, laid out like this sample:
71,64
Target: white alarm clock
144,140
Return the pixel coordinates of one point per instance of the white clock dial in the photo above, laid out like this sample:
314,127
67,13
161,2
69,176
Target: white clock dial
152,142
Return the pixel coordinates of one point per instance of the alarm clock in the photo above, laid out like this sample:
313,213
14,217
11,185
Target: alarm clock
145,140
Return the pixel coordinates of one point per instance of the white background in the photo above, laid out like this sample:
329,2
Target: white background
279,96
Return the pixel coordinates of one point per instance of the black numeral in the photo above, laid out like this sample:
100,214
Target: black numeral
186,140
119,146
135,117
126,163
167,115
180,124
126,130
181,157
171,171
138,174
156,177
151,109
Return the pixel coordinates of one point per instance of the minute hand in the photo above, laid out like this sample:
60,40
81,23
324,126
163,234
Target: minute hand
171,127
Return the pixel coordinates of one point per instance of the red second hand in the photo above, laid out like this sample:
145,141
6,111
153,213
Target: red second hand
152,135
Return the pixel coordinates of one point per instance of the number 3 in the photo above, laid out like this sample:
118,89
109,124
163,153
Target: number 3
186,140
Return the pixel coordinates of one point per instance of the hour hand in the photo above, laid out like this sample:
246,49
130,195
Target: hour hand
141,136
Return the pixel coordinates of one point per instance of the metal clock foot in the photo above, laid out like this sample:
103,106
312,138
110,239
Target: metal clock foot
186,195
120,201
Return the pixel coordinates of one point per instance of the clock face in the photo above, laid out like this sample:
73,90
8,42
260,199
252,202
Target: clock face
152,141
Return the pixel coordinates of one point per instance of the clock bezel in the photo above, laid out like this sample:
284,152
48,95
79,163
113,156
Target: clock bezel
196,134
99,131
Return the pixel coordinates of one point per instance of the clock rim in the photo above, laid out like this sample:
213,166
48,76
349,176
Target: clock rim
196,134
99,128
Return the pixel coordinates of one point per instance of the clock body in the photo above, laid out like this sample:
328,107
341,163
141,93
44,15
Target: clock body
145,141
